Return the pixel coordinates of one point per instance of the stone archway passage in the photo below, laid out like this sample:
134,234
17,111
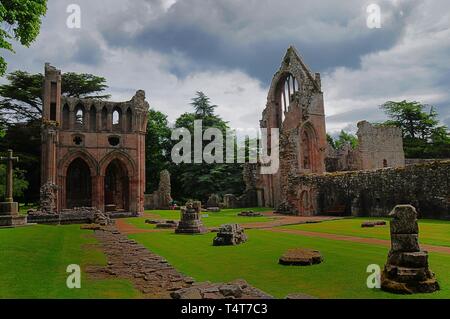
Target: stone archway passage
116,187
78,185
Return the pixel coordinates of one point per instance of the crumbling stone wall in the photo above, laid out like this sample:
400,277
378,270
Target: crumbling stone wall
252,196
93,151
294,106
161,198
374,193
378,147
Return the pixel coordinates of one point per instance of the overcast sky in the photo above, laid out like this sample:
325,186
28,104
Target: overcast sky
230,50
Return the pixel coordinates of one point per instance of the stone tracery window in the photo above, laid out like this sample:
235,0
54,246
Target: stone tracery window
117,119
306,150
288,87
79,116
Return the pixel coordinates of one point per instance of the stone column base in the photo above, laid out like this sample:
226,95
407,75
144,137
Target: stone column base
9,215
13,221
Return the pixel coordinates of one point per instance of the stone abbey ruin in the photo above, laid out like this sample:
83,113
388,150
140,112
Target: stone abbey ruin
93,159
315,179
93,155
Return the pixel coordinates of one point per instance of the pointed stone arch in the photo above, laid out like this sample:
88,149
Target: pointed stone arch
118,182
65,178
308,151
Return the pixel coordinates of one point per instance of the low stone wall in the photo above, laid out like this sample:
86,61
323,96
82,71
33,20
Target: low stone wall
83,215
374,193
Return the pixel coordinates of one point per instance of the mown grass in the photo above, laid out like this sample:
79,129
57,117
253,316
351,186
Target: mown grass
432,232
225,216
341,275
33,263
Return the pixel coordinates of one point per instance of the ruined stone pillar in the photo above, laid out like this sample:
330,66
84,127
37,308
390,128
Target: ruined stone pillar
407,270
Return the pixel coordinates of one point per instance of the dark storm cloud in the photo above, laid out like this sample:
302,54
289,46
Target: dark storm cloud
253,35
88,51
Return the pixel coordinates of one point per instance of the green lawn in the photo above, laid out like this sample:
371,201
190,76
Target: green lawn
33,263
432,232
226,216
33,259
342,275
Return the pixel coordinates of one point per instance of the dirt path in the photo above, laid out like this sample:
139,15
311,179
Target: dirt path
363,240
280,220
128,229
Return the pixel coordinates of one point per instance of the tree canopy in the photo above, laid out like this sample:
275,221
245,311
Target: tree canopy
20,20
342,139
202,106
199,181
158,148
423,136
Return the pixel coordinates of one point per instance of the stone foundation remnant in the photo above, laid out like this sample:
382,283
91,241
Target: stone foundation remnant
375,223
406,270
190,222
213,209
9,210
301,257
213,201
162,223
250,213
230,235
77,215
238,289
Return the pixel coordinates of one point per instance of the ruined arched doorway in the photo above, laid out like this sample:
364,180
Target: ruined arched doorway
78,185
116,187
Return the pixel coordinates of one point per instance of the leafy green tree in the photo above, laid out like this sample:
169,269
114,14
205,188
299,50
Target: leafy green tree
344,138
20,183
20,20
158,148
21,97
202,105
423,136
331,141
198,181
24,139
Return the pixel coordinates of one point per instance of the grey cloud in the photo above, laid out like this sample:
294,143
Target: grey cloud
88,51
252,35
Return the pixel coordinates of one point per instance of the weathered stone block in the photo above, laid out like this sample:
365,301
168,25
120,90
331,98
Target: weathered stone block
9,208
230,234
404,243
409,259
404,220
190,222
406,270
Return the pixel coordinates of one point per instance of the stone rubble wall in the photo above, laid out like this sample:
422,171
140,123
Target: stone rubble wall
378,147
376,192
161,198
